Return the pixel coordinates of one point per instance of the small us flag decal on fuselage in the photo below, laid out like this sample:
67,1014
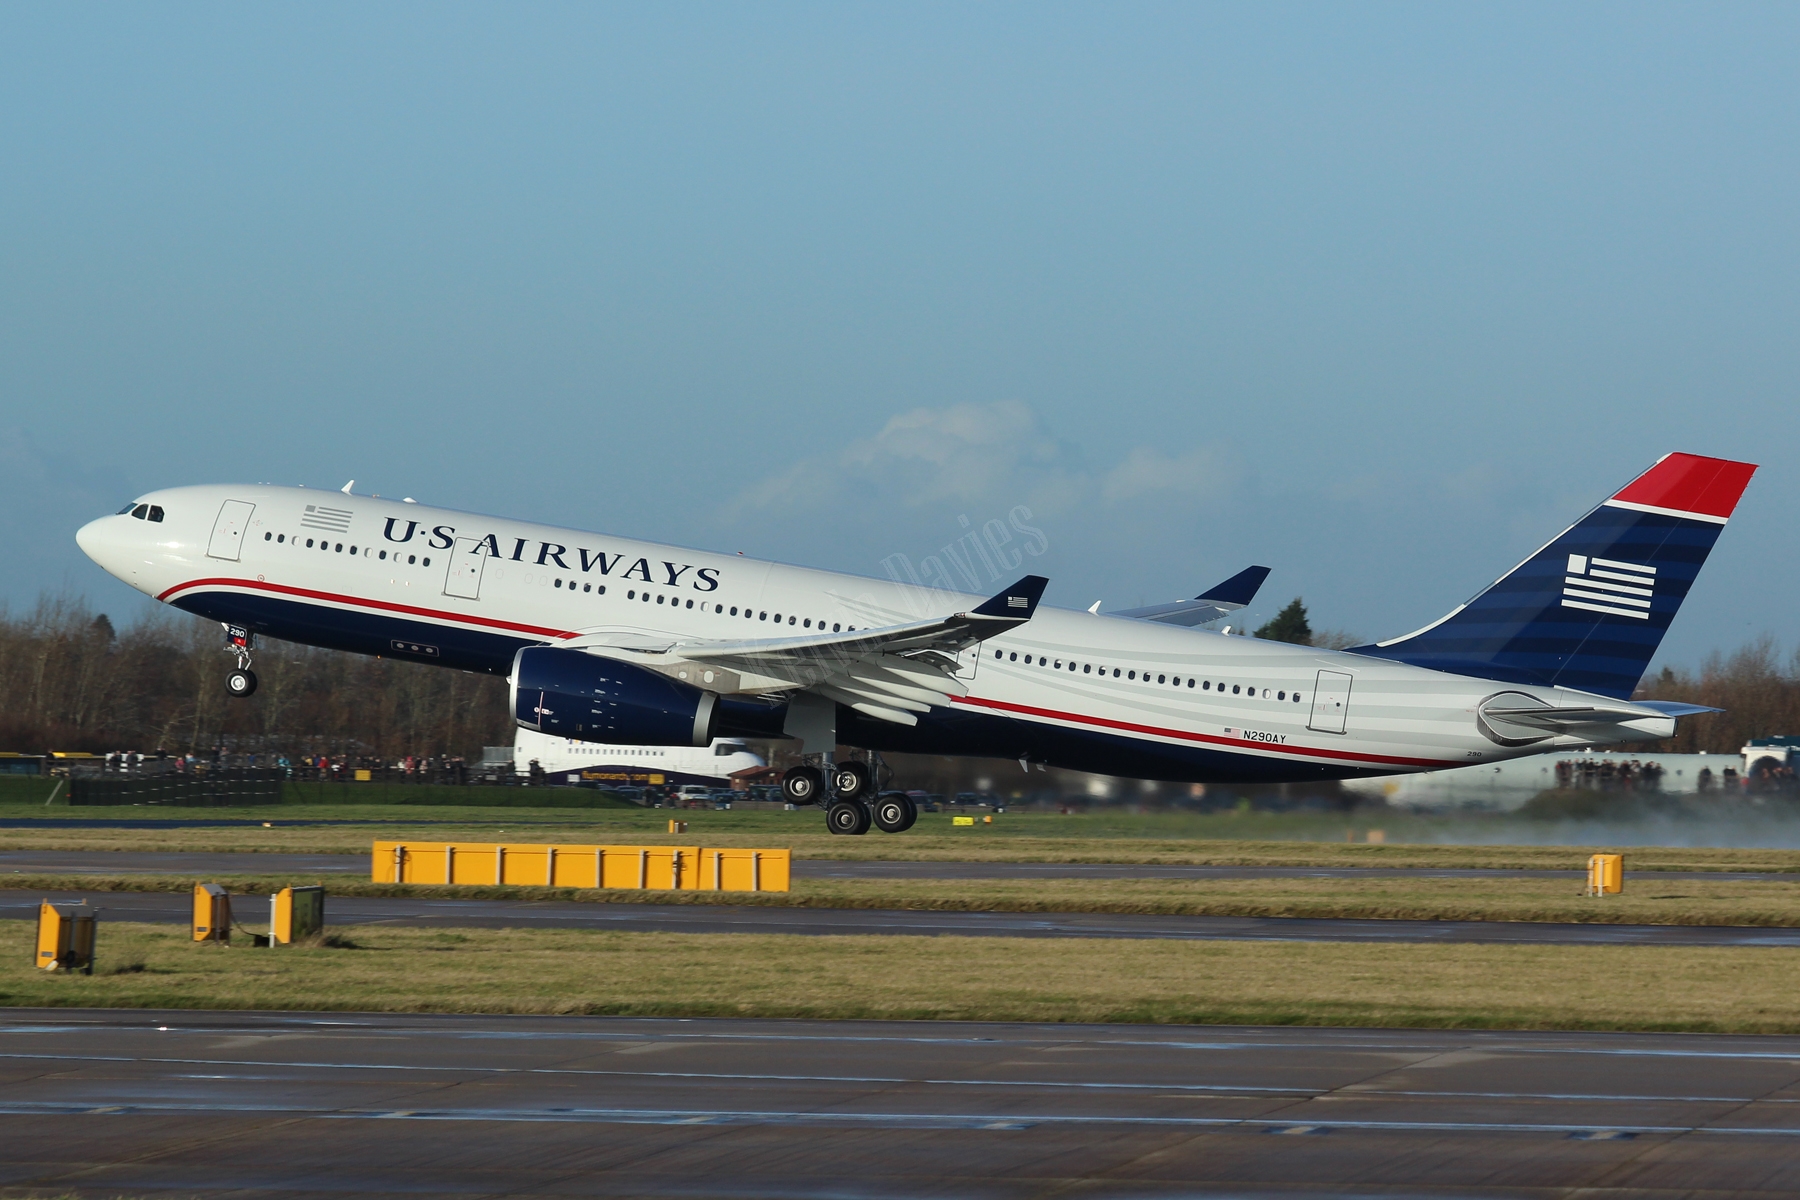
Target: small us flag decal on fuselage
1606,585
318,516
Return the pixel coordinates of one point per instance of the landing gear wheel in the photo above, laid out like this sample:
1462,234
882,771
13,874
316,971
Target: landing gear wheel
895,813
848,817
849,780
802,785
241,683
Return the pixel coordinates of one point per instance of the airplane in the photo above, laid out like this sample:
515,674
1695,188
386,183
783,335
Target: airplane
609,640
595,762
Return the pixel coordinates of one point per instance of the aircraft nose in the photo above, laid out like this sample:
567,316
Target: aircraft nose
104,541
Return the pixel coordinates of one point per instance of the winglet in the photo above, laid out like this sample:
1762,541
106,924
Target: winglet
1240,589
1017,602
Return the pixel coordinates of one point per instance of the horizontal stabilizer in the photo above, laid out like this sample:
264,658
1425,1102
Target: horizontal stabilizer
1565,718
1518,719
1674,708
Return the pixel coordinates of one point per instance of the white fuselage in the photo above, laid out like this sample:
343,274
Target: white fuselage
1069,688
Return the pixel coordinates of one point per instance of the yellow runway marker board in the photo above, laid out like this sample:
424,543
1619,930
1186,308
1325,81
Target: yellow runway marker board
662,868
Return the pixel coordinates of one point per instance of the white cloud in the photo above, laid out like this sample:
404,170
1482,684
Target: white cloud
970,454
963,454
1203,471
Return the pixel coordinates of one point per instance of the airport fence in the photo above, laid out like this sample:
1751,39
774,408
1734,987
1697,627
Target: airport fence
214,789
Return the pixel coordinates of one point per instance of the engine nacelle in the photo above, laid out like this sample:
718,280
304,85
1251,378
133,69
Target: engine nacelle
566,693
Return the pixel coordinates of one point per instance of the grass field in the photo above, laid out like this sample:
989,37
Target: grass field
500,971
1721,901
1221,839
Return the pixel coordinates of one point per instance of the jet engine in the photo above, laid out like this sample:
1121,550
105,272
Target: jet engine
566,693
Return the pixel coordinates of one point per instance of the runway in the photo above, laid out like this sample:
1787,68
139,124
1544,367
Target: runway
176,908
111,862
285,1106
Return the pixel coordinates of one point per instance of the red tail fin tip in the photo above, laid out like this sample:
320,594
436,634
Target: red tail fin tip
1690,483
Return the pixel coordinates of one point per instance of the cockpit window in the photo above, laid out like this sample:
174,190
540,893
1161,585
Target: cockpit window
156,512
129,505
140,511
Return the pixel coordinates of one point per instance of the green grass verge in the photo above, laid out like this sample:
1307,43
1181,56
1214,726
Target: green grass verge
1720,901
386,969
1022,837
447,796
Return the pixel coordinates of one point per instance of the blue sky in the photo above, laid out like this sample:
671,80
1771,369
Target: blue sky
1380,296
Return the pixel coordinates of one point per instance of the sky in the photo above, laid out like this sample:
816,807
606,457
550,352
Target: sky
1380,296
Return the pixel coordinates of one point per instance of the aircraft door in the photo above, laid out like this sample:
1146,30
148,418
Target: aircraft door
1331,702
464,576
228,531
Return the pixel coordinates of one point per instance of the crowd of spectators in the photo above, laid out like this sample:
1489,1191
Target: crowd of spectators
1609,775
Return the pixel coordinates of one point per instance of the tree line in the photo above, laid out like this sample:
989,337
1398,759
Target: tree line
1758,690
70,680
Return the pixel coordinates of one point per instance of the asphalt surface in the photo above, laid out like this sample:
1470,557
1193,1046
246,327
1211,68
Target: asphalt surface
109,862
290,1106
176,908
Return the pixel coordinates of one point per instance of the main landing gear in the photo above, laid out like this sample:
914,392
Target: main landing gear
242,681
851,803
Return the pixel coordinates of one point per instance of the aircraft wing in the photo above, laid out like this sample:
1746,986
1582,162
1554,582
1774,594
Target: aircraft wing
1209,605
889,673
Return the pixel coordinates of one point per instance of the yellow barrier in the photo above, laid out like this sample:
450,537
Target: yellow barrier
65,939
962,821
294,913
666,868
1606,874
212,914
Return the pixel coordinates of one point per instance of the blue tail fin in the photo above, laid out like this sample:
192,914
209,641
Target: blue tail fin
1589,609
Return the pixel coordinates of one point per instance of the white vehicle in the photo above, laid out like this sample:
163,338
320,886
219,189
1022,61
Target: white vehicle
566,760
629,643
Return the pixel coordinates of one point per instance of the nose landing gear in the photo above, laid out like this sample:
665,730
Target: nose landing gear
242,681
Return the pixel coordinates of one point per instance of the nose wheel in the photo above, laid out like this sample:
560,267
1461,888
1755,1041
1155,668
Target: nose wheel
238,642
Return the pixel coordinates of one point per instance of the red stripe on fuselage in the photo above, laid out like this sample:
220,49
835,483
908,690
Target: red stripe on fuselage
1212,739
385,605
